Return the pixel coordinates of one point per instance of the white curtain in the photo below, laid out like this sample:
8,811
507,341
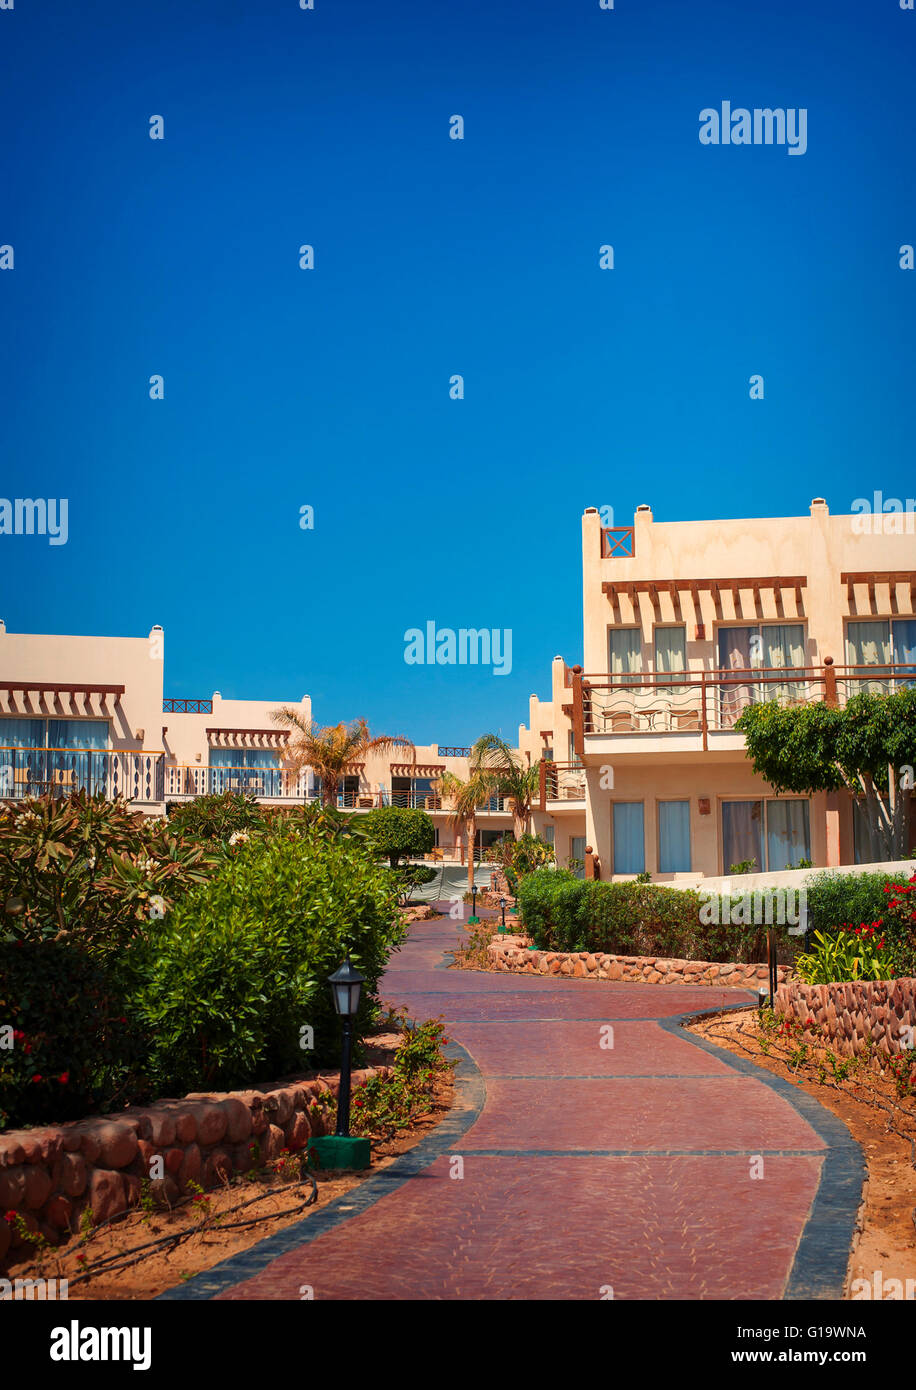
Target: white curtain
905,645
625,652
742,833
869,644
629,840
739,650
783,645
670,651
673,837
788,835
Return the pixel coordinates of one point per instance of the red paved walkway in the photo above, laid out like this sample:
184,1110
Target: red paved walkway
587,1168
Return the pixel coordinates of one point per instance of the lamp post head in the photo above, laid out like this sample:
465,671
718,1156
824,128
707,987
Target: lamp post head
346,985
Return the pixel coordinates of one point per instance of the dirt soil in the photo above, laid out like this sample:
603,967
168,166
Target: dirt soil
883,1123
207,1243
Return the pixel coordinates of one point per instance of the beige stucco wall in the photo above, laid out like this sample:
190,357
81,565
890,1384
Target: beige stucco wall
135,662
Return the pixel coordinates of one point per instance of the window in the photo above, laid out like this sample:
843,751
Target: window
549,834
625,654
878,644
775,834
573,756
629,838
38,755
673,837
577,853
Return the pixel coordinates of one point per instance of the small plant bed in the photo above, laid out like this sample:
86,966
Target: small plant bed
148,1250
472,953
875,1098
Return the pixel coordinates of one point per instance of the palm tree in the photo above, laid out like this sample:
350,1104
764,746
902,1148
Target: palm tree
330,751
507,776
466,798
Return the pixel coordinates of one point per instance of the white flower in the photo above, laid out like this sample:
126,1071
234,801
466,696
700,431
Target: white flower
157,906
238,837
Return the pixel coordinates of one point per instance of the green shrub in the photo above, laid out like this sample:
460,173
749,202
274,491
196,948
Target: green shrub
837,899
74,1046
229,979
399,832
563,913
857,953
214,817
407,877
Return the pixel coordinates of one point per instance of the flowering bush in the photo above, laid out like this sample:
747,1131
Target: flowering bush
900,925
89,870
72,1048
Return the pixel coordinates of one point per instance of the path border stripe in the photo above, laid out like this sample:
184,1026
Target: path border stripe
818,1271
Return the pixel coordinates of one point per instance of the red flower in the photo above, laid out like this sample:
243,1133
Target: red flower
64,1078
9,1216
37,1077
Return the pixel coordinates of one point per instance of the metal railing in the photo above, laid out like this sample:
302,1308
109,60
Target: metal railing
111,773
181,706
562,782
445,750
705,702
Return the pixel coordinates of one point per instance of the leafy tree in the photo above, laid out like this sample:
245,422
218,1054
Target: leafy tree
330,751
867,748
508,776
399,832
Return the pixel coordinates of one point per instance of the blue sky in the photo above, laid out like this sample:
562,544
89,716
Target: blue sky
330,388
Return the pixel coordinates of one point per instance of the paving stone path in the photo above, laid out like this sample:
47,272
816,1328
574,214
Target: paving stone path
656,1168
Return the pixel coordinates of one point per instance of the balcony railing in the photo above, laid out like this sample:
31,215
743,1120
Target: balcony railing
562,782
182,706
705,702
61,771
452,751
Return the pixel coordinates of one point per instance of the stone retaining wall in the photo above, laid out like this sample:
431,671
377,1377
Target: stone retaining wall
508,953
53,1174
849,1013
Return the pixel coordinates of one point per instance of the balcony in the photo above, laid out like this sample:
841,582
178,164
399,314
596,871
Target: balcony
62,771
562,786
186,706
698,710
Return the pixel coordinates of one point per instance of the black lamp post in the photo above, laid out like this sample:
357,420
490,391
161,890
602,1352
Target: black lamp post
771,964
346,985
473,919
502,904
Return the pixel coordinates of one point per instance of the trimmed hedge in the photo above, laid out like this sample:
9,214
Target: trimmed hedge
564,913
